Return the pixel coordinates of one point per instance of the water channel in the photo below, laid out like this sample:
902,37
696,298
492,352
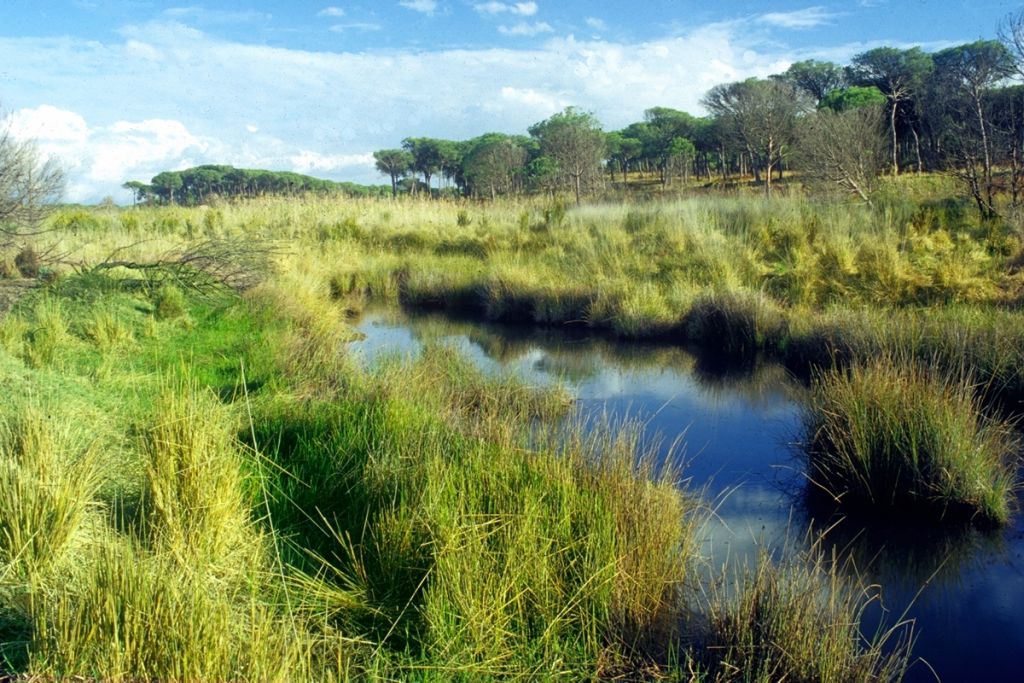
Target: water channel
735,430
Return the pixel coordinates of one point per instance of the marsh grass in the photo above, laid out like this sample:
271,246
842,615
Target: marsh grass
49,478
798,618
895,434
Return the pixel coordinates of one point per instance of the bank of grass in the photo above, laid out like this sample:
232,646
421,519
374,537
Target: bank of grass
233,499
807,282
898,437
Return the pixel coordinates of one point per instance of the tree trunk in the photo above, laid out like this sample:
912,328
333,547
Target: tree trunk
987,157
917,149
892,128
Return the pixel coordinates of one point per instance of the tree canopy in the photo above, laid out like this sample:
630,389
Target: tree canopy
197,185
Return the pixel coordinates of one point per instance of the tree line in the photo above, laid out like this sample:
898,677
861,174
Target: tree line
956,110
200,184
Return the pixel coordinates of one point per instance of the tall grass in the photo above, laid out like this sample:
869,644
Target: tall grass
912,439
799,619
49,479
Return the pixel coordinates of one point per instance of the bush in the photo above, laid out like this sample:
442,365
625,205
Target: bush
27,262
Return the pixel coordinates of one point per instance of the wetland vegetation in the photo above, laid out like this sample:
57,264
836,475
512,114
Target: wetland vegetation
222,455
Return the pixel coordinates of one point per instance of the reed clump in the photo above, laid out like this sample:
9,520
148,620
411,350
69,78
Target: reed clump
897,435
797,618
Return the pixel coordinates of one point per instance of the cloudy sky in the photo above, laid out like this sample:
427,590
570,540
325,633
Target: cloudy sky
123,89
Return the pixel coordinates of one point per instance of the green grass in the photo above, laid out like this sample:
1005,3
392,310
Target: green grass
908,438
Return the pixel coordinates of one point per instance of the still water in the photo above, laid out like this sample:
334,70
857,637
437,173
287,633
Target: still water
736,430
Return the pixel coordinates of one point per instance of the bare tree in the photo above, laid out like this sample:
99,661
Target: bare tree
843,150
1011,33
29,185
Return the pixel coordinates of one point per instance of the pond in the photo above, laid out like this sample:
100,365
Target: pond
736,430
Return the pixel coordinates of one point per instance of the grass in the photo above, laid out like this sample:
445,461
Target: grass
798,619
900,436
249,504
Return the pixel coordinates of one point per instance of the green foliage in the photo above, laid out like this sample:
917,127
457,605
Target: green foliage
853,97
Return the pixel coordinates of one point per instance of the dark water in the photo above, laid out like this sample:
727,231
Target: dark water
735,431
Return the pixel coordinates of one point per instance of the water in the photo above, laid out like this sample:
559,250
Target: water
735,431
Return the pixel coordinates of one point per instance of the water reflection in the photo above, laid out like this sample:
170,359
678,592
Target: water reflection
966,587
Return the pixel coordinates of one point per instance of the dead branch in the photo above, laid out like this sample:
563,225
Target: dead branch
205,267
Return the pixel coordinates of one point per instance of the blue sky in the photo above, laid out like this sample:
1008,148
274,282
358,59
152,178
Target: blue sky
123,89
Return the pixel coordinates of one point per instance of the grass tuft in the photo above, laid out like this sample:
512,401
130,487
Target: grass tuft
890,435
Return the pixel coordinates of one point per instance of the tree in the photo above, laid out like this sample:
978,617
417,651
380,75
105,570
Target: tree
165,185
1006,118
966,72
815,78
681,153
900,75
763,113
574,140
394,163
620,150
843,149
450,153
427,156
140,191
664,127
542,174
1011,33
494,164
29,185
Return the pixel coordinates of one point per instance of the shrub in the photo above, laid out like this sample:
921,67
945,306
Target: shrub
27,262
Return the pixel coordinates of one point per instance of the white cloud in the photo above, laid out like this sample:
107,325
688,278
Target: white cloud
523,9
308,161
331,12
105,156
596,24
544,103
252,128
48,124
424,6
362,26
143,50
798,19
526,29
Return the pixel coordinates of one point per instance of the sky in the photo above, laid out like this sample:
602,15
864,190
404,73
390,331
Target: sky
120,90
